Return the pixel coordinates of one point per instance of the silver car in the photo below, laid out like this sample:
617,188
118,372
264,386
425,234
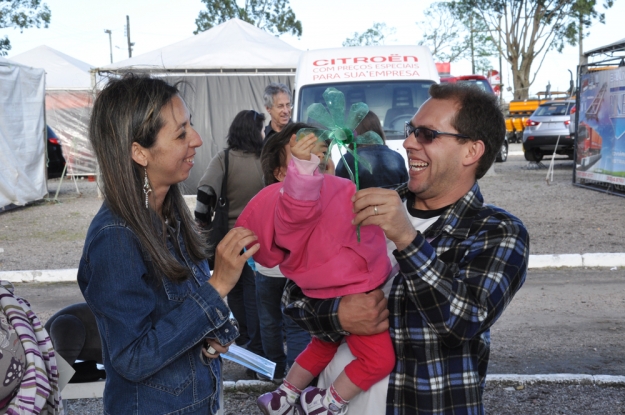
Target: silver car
547,130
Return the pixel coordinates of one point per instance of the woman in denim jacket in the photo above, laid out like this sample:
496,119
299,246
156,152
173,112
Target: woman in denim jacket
143,271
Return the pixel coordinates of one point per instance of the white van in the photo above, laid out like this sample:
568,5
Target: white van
392,80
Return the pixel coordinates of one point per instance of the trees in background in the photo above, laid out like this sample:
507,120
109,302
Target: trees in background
584,12
375,35
529,29
274,16
454,32
21,14
521,31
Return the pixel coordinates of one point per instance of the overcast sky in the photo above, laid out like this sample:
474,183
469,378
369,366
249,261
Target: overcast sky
77,29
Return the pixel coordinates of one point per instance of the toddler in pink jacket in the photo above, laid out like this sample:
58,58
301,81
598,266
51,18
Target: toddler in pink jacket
304,225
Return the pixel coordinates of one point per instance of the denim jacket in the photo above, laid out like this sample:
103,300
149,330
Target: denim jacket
152,332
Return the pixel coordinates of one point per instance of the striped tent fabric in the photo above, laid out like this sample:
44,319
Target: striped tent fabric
38,392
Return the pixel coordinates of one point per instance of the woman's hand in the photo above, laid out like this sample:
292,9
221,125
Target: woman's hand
212,349
230,259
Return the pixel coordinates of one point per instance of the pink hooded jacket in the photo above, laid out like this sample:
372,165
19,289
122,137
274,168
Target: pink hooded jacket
304,225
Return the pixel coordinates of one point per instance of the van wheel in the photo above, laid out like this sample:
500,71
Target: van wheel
503,153
533,155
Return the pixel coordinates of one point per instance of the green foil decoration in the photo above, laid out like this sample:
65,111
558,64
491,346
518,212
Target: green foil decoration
340,131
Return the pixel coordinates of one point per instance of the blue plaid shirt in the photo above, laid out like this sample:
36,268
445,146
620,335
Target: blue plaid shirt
455,281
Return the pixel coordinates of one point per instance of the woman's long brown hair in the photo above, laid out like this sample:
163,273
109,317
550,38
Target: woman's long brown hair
128,110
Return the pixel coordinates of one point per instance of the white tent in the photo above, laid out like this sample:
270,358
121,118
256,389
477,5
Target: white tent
231,46
69,98
225,70
62,71
22,140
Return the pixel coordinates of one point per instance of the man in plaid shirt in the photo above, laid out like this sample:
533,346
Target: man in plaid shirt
459,261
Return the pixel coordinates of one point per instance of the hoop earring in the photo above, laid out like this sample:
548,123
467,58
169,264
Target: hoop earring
146,187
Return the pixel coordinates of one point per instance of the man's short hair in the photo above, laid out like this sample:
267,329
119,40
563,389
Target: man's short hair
274,89
479,117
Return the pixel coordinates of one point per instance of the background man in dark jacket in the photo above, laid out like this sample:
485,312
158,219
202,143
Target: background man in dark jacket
278,104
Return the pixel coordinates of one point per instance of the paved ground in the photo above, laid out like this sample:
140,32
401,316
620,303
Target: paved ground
561,321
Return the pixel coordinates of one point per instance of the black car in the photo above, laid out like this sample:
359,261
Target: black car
503,153
56,161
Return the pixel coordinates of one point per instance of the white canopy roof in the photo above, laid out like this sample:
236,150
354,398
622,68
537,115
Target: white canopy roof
234,44
619,45
62,71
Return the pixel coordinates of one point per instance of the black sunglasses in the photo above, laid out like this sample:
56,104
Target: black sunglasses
425,135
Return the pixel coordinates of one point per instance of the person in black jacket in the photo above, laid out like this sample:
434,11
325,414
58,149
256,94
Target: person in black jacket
388,167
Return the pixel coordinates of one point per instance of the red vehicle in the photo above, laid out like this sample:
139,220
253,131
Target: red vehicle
478,80
589,143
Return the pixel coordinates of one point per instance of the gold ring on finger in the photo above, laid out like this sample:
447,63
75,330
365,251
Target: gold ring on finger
375,210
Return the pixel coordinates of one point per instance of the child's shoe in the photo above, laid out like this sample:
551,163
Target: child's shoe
316,402
277,403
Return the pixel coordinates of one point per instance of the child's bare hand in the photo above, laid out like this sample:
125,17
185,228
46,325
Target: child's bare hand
303,147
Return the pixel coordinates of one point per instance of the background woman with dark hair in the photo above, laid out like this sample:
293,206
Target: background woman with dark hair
143,271
388,167
245,179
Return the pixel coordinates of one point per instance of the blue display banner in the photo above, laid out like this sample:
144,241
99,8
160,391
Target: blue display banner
601,129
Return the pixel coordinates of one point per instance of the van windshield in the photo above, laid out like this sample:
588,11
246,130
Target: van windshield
394,102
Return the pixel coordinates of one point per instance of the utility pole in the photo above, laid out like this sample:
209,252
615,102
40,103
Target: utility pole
500,73
580,31
130,44
472,48
110,43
